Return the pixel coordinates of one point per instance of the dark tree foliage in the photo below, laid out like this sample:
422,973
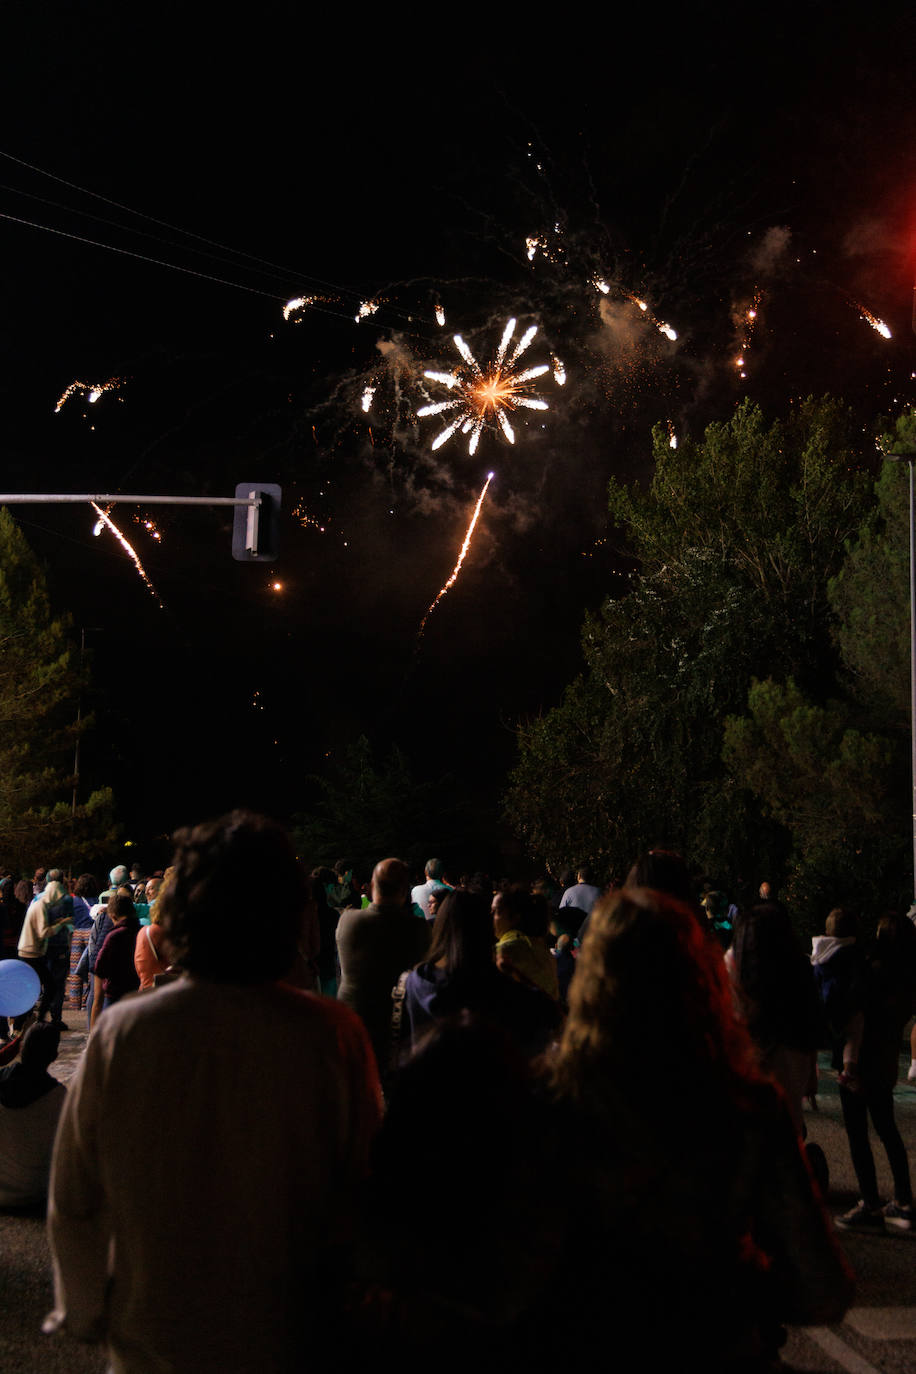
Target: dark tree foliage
364,811
837,772
39,690
736,536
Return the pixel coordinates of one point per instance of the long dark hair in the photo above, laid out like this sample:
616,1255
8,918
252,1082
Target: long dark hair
462,934
650,986
775,977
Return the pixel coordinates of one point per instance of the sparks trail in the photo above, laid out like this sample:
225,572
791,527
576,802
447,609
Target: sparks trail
461,557
499,389
746,319
92,391
105,519
871,319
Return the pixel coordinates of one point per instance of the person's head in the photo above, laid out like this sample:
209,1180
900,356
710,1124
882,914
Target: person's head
515,908
434,869
55,875
584,874
435,899
842,924
766,950
54,892
647,980
462,933
86,887
765,892
121,907
210,928
118,876
663,870
390,883
152,888
39,1046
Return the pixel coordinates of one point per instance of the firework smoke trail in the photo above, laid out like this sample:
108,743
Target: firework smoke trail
871,319
128,548
461,557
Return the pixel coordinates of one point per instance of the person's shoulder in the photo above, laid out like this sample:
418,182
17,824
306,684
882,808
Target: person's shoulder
316,1011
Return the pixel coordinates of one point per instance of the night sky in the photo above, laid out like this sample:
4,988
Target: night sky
405,159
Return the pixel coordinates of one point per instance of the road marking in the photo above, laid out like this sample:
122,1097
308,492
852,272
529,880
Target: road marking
839,1351
884,1323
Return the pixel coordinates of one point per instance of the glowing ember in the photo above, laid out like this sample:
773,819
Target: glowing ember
106,520
668,332
367,398
365,309
486,395
559,371
461,557
147,524
440,315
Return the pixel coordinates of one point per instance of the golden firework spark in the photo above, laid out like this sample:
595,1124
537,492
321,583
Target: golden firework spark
485,394
559,370
297,305
148,524
871,319
106,520
366,308
366,401
461,557
93,391
440,316
305,520
746,320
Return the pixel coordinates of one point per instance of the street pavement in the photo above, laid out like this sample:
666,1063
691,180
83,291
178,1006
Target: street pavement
878,1333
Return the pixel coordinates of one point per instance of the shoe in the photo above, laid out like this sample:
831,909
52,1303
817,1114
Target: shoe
862,1218
901,1218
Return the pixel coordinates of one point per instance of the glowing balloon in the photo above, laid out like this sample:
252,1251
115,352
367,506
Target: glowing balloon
19,987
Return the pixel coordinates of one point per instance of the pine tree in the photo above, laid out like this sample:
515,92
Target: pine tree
40,683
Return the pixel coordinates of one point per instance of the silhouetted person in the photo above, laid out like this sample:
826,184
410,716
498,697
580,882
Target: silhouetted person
214,1133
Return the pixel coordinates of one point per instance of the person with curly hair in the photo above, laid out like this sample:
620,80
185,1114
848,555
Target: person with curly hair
693,1213
258,1102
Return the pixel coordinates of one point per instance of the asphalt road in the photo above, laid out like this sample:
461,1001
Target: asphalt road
879,1333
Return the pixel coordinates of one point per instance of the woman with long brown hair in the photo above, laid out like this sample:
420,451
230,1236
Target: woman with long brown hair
693,1217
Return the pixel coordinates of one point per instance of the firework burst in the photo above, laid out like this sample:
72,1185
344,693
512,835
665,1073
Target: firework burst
486,393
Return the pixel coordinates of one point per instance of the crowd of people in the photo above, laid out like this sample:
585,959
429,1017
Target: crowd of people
353,1122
